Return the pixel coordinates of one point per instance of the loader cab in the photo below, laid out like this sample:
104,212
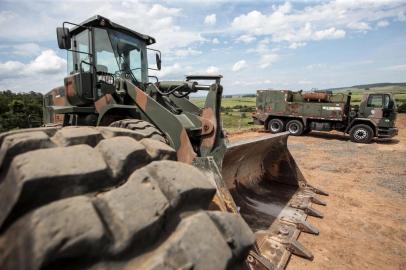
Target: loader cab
98,52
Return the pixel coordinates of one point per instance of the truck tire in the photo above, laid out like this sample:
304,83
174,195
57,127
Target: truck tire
98,198
143,128
295,127
361,133
276,125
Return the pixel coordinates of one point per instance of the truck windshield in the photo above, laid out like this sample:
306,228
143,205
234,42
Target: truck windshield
119,53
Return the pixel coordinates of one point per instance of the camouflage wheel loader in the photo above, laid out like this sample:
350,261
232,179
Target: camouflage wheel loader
129,173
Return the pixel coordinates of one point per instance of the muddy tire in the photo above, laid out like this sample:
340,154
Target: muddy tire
276,126
85,197
295,127
143,128
361,134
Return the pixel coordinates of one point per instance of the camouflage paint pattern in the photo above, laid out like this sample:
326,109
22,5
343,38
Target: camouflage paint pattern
55,98
320,107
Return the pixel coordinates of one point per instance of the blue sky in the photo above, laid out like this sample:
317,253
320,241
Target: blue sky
253,44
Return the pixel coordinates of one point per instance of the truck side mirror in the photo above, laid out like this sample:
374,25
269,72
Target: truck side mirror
158,61
64,38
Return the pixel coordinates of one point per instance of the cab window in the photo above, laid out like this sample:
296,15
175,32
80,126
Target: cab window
105,58
70,65
82,46
375,101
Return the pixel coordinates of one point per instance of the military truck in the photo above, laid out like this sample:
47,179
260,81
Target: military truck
301,112
128,173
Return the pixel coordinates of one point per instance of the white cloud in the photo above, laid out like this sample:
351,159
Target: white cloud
296,45
157,20
245,39
10,69
174,71
330,33
187,52
382,23
161,11
359,26
239,65
267,60
215,41
210,19
395,67
46,63
325,20
26,49
401,16
305,82
212,70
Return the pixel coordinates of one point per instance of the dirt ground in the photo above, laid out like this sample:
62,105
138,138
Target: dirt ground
364,226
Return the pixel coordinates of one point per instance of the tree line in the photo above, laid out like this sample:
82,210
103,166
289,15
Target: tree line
20,110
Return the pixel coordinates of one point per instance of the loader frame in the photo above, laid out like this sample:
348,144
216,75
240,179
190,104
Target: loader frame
245,174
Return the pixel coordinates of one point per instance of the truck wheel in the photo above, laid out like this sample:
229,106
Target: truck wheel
96,197
361,134
276,126
295,127
143,128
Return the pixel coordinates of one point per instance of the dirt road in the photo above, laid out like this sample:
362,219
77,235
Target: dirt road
365,220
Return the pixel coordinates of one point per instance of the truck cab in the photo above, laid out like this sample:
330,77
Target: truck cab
380,109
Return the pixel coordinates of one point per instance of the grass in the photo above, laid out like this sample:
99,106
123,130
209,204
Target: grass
233,121
228,102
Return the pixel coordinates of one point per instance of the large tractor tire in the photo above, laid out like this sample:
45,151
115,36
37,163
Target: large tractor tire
100,198
361,133
143,128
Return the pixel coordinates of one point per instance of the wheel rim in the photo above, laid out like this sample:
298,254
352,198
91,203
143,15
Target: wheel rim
293,128
360,134
275,126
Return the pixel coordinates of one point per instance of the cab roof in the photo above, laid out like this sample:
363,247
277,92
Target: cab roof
100,21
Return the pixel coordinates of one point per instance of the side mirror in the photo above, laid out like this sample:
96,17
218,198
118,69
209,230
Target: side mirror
64,38
158,61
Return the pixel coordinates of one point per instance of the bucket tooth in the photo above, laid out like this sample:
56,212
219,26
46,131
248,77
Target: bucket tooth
298,249
317,200
316,190
313,212
307,227
301,224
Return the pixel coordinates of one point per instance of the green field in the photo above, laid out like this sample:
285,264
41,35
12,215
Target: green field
398,91
234,119
228,102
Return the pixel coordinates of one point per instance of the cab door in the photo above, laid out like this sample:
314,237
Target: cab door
374,106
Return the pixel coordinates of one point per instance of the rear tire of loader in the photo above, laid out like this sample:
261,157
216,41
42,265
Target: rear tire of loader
276,126
361,134
144,128
86,197
295,127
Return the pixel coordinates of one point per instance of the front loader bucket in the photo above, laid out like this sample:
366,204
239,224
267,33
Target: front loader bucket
272,196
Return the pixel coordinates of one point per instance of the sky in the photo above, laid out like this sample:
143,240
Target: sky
253,44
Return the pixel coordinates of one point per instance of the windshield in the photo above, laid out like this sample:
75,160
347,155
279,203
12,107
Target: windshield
120,53
129,52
